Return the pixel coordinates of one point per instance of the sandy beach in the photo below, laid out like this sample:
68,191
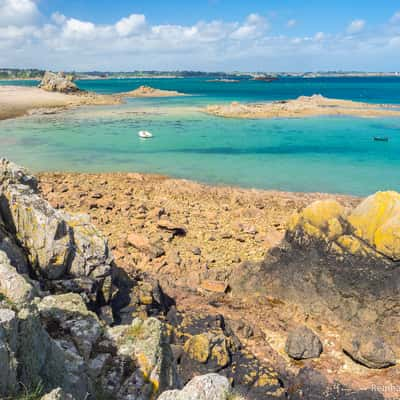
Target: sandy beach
16,101
303,106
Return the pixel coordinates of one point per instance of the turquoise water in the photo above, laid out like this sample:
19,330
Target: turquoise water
324,154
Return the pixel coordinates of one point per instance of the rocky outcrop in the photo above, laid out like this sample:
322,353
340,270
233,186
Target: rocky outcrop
59,293
147,91
341,266
58,82
57,246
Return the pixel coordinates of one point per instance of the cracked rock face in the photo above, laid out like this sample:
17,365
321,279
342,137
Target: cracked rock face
55,245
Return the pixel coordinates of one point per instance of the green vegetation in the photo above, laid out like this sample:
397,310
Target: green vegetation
32,394
12,73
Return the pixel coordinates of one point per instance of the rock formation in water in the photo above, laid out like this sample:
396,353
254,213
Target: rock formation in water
147,91
58,82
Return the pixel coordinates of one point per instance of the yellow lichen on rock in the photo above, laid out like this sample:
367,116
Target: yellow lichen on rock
387,238
198,348
376,221
320,212
334,229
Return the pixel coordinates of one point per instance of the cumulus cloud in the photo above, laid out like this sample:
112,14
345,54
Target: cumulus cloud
254,26
356,26
395,18
291,23
17,12
135,23
64,42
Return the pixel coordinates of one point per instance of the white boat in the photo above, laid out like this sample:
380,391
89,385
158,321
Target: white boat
145,135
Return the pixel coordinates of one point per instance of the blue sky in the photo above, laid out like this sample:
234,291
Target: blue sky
228,35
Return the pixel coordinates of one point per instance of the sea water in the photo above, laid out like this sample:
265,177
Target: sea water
326,154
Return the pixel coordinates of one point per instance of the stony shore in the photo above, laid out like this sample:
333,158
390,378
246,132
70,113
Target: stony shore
208,292
303,106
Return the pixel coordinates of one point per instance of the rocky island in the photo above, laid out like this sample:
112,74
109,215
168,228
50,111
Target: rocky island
147,91
304,106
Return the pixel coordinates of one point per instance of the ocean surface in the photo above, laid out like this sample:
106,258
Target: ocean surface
324,154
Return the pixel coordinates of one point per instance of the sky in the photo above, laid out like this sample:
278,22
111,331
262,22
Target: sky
208,35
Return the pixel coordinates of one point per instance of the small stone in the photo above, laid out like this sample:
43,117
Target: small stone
196,251
303,343
214,286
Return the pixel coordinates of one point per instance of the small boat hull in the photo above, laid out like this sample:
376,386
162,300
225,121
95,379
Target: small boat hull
145,135
381,139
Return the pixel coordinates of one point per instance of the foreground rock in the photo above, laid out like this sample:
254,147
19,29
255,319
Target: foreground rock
62,250
207,387
57,276
58,82
147,91
341,266
303,106
303,343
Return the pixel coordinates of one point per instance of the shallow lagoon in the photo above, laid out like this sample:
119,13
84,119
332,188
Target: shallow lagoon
323,154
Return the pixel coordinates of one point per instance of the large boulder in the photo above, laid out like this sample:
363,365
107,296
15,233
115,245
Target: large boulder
371,351
339,265
206,387
50,244
147,343
58,82
67,314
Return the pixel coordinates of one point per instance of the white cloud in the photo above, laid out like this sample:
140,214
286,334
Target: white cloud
254,26
67,43
356,26
135,23
291,23
395,18
17,12
76,29
58,18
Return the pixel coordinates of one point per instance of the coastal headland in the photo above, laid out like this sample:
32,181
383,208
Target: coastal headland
304,106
